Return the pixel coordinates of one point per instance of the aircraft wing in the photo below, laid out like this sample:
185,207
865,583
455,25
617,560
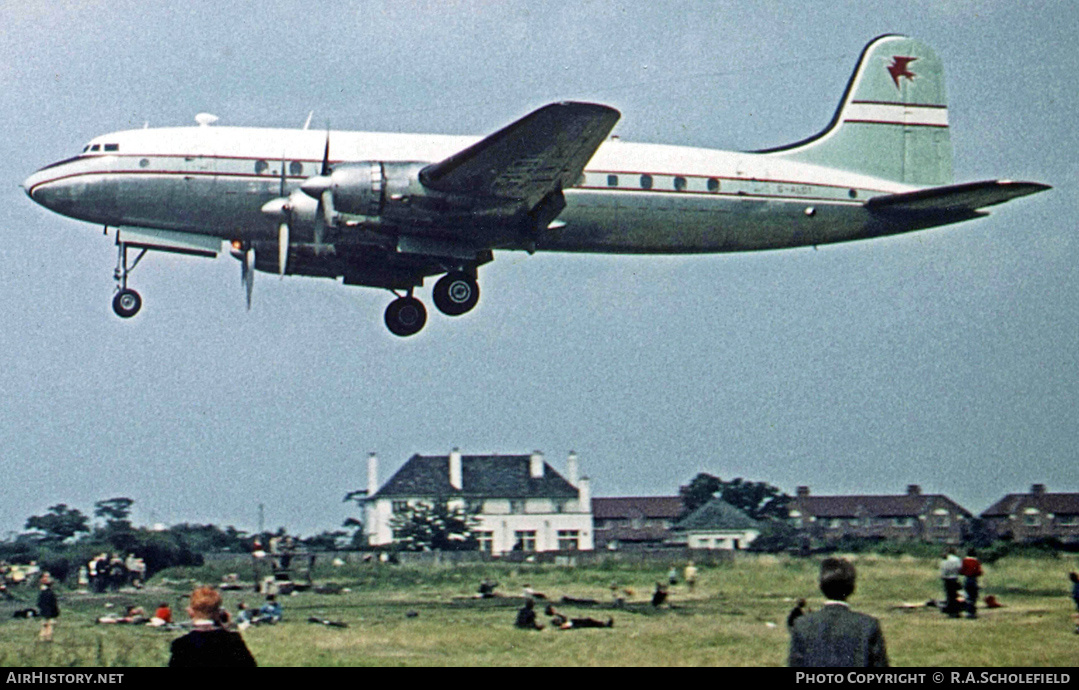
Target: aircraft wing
956,198
543,152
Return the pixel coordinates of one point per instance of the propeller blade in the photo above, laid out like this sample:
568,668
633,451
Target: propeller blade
326,202
282,248
326,156
247,273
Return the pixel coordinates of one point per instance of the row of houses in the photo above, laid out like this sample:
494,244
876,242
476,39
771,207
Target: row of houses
521,503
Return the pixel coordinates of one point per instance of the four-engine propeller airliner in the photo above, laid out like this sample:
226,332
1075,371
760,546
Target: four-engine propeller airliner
389,210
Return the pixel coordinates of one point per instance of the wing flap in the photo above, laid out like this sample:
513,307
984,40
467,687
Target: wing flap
957,198
542,152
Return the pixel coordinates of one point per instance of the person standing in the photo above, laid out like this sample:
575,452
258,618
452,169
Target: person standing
47,607
949,576
971,570
835,635
1074,577
690,575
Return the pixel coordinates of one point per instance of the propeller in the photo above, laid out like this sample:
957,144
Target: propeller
247,272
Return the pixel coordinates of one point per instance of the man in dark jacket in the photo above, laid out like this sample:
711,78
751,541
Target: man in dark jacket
47,607
835,635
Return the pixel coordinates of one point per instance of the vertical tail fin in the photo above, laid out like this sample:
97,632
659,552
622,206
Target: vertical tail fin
892,121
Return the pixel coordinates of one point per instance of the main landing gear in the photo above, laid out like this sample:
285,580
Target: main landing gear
455,293
127,302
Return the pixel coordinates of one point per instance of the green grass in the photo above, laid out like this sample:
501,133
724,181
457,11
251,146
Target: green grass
735,617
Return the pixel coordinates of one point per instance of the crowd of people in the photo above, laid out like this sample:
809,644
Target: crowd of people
833,635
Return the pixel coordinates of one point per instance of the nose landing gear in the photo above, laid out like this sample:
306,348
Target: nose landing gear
127,302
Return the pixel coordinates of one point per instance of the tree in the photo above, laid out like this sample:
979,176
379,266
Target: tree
114,510
434,527
758,500
699,491
59,523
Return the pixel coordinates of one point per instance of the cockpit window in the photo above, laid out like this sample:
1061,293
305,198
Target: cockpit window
85,148
95,147
112,147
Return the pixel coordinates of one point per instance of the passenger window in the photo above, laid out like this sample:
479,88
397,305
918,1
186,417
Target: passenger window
646,181
112,147
261,167
713,184
680,184
612,180
295,168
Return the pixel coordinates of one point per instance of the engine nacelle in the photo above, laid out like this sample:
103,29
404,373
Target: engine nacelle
372,189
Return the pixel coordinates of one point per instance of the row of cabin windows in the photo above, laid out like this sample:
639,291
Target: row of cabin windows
294,168
680,184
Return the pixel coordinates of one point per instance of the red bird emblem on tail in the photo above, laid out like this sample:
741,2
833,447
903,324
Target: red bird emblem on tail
898,68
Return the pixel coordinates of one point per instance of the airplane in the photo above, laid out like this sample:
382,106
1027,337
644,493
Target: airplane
388,210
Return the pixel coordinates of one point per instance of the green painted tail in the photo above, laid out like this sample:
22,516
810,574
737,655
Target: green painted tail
893,120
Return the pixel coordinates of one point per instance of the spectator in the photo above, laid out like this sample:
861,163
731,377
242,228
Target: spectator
835,635
971,570
47,607
209,644
526,617
949,576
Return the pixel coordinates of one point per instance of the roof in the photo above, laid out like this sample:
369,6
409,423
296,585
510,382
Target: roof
716,514
668,507
487,476
1059,504
905,505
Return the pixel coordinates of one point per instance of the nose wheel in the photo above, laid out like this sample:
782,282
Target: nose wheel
126,303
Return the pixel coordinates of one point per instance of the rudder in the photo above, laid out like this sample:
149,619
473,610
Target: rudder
893,120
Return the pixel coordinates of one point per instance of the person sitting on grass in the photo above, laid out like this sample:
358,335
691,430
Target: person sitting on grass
526,617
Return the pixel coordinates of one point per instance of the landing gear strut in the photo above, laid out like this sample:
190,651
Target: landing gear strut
406,316
456,293
127,302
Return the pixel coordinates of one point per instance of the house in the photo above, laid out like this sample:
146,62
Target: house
1035,516
716,525
909,516
636,521
520,502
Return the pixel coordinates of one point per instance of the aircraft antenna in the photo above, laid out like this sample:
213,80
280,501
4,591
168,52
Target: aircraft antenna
308,123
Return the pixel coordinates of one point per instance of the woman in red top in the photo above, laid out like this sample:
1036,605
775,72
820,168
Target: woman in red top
971,569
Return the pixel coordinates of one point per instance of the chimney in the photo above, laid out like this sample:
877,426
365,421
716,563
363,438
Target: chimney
455,469
914,490
572,468
802,491
372,474
584,495
535,465
1037,489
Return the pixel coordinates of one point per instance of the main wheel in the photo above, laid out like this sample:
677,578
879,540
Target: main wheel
456,293
405,316
126,303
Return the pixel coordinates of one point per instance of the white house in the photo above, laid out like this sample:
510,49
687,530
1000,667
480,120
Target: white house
717,525
520,502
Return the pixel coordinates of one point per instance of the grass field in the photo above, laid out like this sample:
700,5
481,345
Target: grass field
735,617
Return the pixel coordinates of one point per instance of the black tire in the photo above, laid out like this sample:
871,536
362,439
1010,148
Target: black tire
126,303
456,293
406,316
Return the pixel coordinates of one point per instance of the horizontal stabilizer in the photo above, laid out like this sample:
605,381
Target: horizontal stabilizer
955,198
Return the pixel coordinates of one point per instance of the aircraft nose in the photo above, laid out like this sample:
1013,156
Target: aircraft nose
35,187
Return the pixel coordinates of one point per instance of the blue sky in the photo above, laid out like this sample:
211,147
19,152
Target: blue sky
945,358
